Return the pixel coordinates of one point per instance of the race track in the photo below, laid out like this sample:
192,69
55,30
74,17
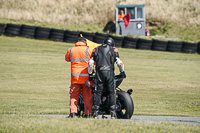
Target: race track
152,119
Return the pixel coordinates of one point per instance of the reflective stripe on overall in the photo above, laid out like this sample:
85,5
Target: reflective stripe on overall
79,57
86,59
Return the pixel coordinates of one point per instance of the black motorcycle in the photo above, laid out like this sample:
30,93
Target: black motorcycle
124,102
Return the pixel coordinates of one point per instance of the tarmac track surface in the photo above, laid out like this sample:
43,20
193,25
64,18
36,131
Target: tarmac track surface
152,119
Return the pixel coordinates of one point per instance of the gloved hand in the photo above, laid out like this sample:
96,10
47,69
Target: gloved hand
123,74
91,77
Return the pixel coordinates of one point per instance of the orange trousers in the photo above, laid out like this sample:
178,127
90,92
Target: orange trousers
75,91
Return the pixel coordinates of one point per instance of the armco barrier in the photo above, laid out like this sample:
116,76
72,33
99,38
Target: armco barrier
57,35
2,28
129,42
144,44
27,31
42,33
189,47
12,30
72,37
159,45
173,46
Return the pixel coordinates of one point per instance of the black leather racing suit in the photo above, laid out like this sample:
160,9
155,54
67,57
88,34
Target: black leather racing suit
105,57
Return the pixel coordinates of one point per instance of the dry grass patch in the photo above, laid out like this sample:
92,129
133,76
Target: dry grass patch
184,12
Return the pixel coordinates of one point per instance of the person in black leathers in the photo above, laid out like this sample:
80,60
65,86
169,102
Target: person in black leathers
105,56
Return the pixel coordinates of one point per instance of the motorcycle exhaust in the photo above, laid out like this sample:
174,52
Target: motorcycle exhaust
130,91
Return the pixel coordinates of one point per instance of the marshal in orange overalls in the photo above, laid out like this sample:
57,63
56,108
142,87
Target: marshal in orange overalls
79,57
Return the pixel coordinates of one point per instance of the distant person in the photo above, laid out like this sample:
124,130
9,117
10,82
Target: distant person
79,57
121,15
147,32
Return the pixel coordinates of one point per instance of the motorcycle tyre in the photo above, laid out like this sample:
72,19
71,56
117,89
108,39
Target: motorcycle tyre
80,108
125,99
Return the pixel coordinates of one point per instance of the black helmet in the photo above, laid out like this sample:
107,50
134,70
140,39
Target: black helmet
109,41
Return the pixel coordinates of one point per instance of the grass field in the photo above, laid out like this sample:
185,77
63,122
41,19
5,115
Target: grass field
35,79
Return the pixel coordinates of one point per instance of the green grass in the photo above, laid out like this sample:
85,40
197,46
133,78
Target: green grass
173,30
35,79
96,27
61,125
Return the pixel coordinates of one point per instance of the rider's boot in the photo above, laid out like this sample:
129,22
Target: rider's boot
72,115
95,110
87,116
113,112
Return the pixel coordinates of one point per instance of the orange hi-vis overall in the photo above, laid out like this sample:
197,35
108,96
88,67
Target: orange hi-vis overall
79,57
121,16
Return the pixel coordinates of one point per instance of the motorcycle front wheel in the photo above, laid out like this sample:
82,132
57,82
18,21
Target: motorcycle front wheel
124,105
80,107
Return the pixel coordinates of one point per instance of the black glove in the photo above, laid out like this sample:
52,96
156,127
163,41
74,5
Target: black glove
90,77
123,74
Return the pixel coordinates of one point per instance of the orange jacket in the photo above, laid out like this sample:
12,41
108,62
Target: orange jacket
79,57
121,16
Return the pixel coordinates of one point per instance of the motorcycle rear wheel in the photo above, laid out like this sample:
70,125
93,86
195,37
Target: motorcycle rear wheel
80,108
124,105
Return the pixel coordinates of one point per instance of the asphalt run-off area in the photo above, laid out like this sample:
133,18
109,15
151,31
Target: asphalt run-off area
152,119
